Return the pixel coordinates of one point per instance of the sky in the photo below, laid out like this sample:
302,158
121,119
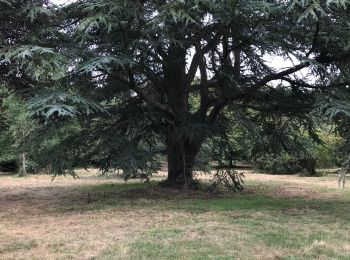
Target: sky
59,2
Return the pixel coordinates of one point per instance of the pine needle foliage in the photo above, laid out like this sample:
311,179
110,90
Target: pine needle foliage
168,72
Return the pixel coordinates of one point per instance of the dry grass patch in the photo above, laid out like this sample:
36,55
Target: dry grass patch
277,217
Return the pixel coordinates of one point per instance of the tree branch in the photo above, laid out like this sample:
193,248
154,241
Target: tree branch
199,55
237,64
163,108
280,75
204,86
305,85
300,84
314,40
217,108
278,107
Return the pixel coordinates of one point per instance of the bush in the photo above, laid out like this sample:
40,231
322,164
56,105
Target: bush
8,166
285,164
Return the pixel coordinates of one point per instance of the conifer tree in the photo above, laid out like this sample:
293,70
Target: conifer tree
144,61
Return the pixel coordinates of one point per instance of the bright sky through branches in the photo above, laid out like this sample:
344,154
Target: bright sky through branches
59,2
275,61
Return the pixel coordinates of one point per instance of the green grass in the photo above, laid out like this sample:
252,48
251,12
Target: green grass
161,249
161,223
290,228
117,187
17,246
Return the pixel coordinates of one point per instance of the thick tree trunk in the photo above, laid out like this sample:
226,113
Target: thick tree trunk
181,158
181,150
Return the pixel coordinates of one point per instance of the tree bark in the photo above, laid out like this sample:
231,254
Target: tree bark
23,169
181,158
181,149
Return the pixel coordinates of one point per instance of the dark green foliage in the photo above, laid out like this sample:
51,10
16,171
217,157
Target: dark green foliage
177,76
18,127
283,164
334,106
59,104
8,155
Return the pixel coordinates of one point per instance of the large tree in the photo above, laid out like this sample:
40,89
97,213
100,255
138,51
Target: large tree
148,60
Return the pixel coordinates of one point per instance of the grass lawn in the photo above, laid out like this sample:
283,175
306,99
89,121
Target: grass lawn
276,217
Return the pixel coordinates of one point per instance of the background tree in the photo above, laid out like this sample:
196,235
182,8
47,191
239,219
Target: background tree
334,106
18,131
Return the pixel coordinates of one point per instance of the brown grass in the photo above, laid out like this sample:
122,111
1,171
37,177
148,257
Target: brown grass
68,218
49,220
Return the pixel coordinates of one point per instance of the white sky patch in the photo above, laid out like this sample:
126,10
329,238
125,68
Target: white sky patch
280,63
61,2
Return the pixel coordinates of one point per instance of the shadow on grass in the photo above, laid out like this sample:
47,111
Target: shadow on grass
196,201
138,195
7,174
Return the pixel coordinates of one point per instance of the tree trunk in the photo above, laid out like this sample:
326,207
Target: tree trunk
181,158
23,169
231,163
310,165
181,150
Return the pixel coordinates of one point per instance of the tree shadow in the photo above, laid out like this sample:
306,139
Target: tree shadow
131,196
7,174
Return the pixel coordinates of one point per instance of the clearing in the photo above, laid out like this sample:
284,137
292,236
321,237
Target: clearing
276,217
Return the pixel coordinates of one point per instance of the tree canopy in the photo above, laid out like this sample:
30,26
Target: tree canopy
151,77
